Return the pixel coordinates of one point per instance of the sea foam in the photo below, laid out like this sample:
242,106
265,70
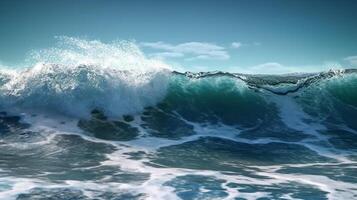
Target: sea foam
78,76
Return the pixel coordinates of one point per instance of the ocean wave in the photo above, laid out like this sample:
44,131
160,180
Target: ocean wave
128,126
78,76
77,90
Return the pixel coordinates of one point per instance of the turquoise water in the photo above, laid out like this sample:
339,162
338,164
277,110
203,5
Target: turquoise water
87,120
67,133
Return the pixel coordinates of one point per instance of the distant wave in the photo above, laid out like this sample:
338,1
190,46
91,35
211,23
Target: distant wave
267,82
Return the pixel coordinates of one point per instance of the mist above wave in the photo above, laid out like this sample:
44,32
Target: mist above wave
69,51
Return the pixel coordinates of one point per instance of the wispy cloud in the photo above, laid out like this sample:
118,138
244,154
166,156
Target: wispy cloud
352,60
190,50
236,45
167,55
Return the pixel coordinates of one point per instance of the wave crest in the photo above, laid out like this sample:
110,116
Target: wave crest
77,90
79,75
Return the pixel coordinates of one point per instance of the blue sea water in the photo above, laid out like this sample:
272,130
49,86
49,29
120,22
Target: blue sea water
96,121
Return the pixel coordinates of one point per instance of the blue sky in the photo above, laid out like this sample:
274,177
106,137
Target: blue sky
240,35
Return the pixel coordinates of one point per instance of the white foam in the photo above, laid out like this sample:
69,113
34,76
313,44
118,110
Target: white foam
154,187
16,186
115,77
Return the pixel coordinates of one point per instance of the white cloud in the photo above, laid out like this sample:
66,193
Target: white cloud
352,60
157,45
195,50
236,45
167,55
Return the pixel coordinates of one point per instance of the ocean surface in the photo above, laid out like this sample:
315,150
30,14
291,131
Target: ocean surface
78,125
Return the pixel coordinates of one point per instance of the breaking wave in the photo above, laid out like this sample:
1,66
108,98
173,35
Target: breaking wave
103,121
